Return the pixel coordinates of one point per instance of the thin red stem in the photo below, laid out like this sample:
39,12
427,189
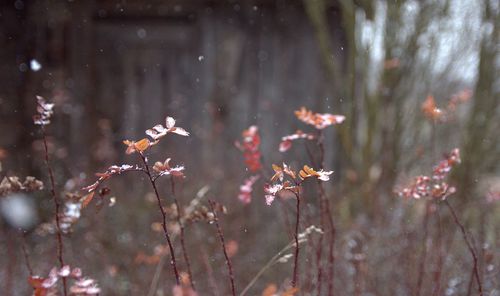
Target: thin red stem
223,244
331,249
469,246
423,256
26,255
286,220
297,221
439,268
181,226
11,264
319,250
57,206
164,219
326,210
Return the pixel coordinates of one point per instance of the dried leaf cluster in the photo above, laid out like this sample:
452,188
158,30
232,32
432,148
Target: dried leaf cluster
433,186
47,286
44,111
13,184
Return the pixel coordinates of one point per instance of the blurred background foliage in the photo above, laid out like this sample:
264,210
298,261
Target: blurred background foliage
115,68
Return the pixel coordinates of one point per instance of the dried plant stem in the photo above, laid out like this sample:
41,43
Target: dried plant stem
286,220
326,211
324,208
331,250
26,255
319,253
331,243
469,246
59,240
423,256
159,267
223,245
164,218
319,250
296,237
269,263
440,262
10,264
181,226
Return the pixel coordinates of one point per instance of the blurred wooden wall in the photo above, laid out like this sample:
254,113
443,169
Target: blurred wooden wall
115,70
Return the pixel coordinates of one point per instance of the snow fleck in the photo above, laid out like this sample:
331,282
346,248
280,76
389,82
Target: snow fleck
35,65
141,33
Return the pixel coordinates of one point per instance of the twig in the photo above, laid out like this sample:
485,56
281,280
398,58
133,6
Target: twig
181,226
296,236
26,255
286,220
331,250
59,239
223,244
437,273
423,256
164,219
269,263
319,250
469,246
326,210
11,263
159,267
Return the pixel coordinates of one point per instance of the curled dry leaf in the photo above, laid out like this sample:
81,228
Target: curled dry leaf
159,131
308,172
280,172
318,120
271,190
139,146
87,199
165,169
286,141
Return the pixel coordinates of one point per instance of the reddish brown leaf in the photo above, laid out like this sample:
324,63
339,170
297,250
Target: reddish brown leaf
87,199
